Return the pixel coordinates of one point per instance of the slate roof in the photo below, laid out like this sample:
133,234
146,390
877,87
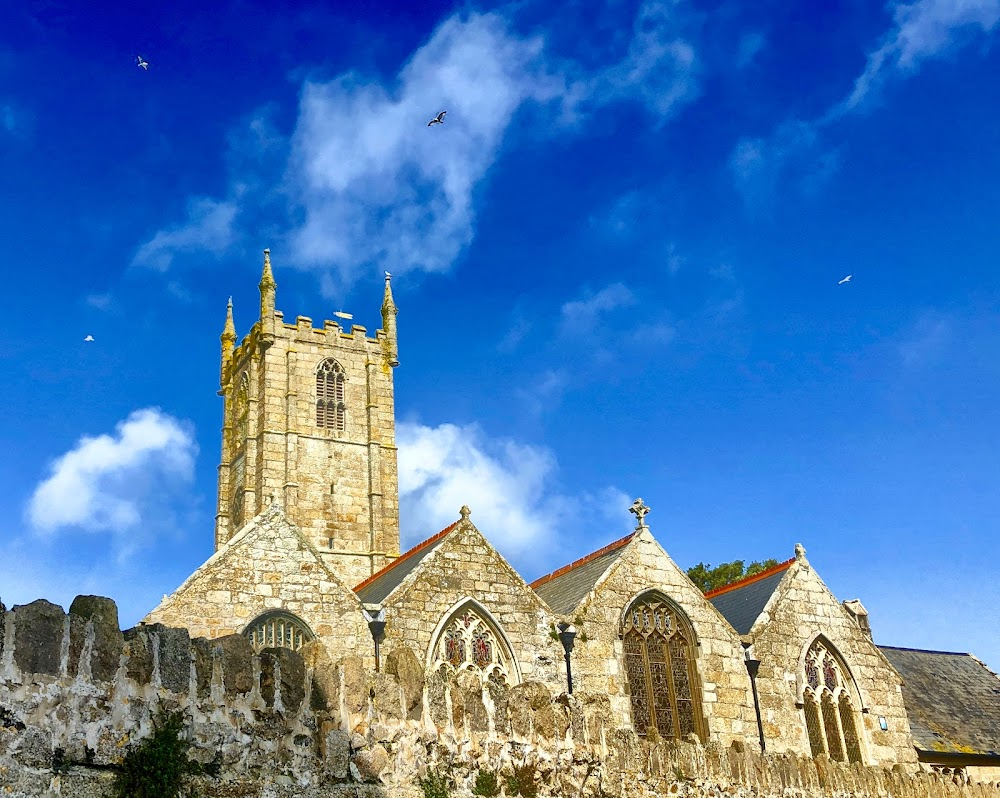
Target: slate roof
377,587
743,601
566,587
952,701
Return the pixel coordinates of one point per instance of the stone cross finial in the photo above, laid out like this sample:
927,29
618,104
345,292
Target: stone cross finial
639,510
465,512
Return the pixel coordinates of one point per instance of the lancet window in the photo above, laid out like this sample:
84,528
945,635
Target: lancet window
241,411
468,640
830,714
278,629
660,669
331,410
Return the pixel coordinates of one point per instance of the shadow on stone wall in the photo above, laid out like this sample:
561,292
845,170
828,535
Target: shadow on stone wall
76,692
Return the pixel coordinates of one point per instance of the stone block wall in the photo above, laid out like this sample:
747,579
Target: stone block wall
726,698
76,693
802,608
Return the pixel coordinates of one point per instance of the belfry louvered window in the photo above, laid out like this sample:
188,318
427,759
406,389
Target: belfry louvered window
828,706
331,411
660,669
277,629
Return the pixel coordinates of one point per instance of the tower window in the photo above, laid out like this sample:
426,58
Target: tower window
331,411
242,410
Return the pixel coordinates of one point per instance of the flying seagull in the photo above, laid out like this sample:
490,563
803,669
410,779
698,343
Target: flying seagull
89,339
437,120
846,279
141,63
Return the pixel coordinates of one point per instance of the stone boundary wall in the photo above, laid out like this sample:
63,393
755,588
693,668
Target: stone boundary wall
76,692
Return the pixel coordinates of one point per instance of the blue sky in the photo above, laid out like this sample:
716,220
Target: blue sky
616,263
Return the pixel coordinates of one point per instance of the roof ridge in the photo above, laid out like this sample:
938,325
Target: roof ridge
406,555
749,580
931,651
582,561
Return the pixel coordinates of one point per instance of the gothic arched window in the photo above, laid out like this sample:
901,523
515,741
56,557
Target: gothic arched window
241,411
660,669
278,629
331,410
469,640
829,709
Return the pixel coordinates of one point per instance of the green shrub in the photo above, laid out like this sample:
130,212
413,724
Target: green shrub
487,784
156,766
522,781
435,784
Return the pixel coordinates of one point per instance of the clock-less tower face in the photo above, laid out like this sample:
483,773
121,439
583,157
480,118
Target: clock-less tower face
309,423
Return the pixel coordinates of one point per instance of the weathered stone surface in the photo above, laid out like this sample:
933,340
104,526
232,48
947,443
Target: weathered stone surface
437,705
237,671
336,753
371,762
139,648
326,677
530,708
175,658
355,684
38,635
108,640
404,665
77,639
291,668
201,650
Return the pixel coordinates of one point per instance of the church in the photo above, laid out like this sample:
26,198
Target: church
307,549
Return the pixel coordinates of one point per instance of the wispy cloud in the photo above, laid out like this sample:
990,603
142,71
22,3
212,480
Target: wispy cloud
115,483
581,316
510,487
926,339
208,228
751,45
367,185
922,30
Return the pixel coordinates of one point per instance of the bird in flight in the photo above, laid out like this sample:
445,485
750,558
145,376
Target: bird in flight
437,120
141,63
341,315
89,339
846,279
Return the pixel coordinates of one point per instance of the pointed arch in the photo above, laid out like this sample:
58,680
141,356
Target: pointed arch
241,410
468,637
331,408
830,702
659,650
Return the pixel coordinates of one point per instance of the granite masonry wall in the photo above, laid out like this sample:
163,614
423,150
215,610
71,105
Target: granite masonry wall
76,693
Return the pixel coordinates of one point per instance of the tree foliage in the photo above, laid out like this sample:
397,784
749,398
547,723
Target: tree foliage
708,578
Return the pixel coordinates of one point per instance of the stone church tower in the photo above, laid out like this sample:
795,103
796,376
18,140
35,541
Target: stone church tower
308,421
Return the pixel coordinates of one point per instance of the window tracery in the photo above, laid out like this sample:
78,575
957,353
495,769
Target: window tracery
277,629
469,641
828,707
660,669
331,409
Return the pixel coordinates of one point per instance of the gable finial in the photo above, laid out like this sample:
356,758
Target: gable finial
465,512
800,555
639,510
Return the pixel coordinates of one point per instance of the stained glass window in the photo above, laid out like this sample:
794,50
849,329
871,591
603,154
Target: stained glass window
469,641
659,667
829,712
331,410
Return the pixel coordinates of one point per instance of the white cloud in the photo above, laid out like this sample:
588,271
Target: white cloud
926,339
367,185
376,184
581,316
509,486
209,227
924,29
109,482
